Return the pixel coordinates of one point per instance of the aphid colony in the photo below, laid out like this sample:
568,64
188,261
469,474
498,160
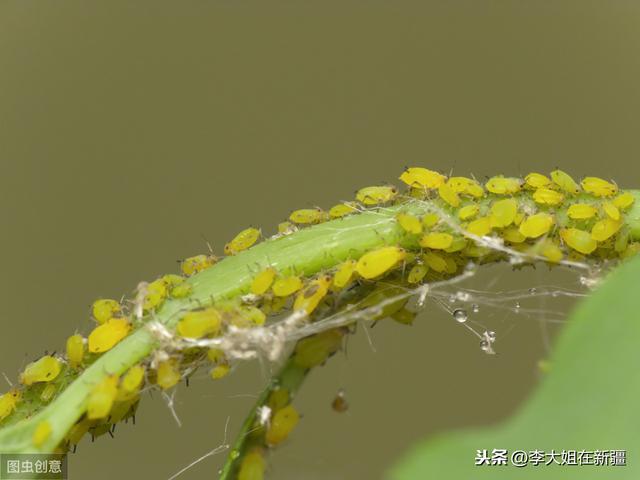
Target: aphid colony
439,219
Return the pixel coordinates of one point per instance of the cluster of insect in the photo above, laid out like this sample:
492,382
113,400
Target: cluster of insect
442,221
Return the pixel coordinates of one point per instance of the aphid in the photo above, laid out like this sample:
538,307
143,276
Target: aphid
503,185
220,371
417,273
611,210
469,211
344,274
102,397
435,262
252,466
245,239
581,211
8,402
75,350
342,209
171,279
579,240
551,251
156,292
282,424
104,337
314,350
376,195
198,323
624,200
181,291
409,223
41,433
377,262
449,195
45,369
622,241
310,297
465,185
262,282
480,227
192,265
131,382
546,196
436,240
458,244
451,265
404,316
48,392
503,212
285,286
105,308
308,216
216,355
536,225
513,235
279,399
248,317
599,187
536,180
167,374
339,403
565,182
286,228
605,229
418,177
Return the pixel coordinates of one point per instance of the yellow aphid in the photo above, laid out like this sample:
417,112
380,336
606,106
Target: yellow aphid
310,297
198,323
308,216
216,355
513,235
581,211
480,227
404,316
248,317
503,212
282,424
45,369
286,228
285,286
155,294
536,225
418,177
8,402
104,337
245,239
503,185
622,241
565,182
579,240
132,380
376,195
192,265
459,184
279,399
536,180
436,240
342,209
458,244
167,374
105,308
263,281
475,190
551,251
451,265
518,219
252,466
220,371
430,219
449,195
546,196
316,349
417,273
468,212
48,392
172,280
344,274
376,262
599,187
435,262
181,291
605,229
41,433
624,200
409,223
611,210
102,397
75,350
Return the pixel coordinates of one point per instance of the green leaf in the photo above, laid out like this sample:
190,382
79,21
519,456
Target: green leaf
588,401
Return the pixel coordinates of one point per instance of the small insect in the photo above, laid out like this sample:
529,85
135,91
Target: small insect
263,415
581,211
263,281
167,374
245,239
45,369
192,265
611,210
447,194
466,186
430,219
131,382
536,180
435,262
104,309
220,371
513,235
102,397
546,196
285,286
75,350
468,212
377,262
343,209
309,216
198,323
458,244
579,240
8,402
344,274
599,187
48,392
339,403
316,349
419,177
503,185
282,424
404,316
155,294
181,291
409,223
604,229
417,273
253,465
565,182
480,226
41,433
551,251
436,240
376,195
216,355
503,212
247,317
536,225
624,200
310,297
286,228
104,337
171,279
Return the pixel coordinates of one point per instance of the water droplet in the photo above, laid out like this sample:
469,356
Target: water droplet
475,308
517,305
452,299
460,315
491,335
533,290
463,296
485,346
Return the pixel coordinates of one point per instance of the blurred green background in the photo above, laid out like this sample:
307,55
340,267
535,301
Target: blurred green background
130,132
